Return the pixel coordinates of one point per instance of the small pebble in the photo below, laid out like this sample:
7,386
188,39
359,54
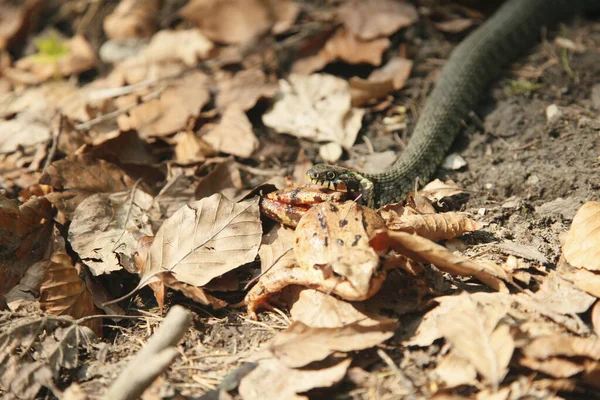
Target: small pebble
454,162
553,113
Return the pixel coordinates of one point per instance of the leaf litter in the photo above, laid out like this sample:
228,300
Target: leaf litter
135,131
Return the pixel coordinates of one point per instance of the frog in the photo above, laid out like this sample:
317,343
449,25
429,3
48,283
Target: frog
335,252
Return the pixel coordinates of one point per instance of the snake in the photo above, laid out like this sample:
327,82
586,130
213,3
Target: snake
473,65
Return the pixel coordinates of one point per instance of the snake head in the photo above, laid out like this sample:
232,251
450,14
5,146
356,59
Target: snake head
332,177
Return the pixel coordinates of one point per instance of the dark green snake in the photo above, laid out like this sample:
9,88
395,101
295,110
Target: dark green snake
474,64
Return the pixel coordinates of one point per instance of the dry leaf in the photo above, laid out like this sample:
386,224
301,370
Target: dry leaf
105,229
596,318
437,190
25,232
426,251
285,383
554,366
285,12
132,19
78,176
195,293
244,89
561,296
487,347
454,371
188,46
381,82
300,345
26,293
190,149
444,226
233,135
170,113
15,21
376,18
277,249
454,25
78,56
205,239
63,292
224,178
229,21
544,347
316,107
320,310
582,244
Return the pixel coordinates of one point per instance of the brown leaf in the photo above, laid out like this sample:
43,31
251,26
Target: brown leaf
15,20
190,149
205,239
424,250
582,244
561,296
78,57
244,89
105,229
229,21
195,293
454,371
177,104
285,12
390,77
583,279
377,18
300,345
437,190
285,383
78,176
320,310
344,46
454,25
445,226
132,19
224,178
233,135
316,107
277,249
546,347
63,292
554,366
596,318
487,347
25,232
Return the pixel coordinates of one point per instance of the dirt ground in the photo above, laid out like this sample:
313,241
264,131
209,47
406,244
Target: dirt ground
525,178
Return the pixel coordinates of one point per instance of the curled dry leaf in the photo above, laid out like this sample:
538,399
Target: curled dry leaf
132,19
233,135
244,89
582,244
445,226
15,19
229,21
25,232
106,228
376,18
181,101
300,345
426,251
205,239
390,77
195,293
437,190
63,292
58,58
553,366
78,176
285,383
187,46
316,107
544,347
486,346
224,178
456,25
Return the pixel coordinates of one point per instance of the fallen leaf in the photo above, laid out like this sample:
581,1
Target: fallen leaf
25,232
300,345
132,19
286,12
277,249
205,239
78,176
178,190
181,101
187,46
229,21
554,366
596,318
583,279
63,292
234,134
26,129
437,190
381,82
444,226
545,347
190,149
224,178
562,296
244,89
316,107
56,57
285,382
454,371
320,310
426,251
456,25
487,347
15,21
581,247
28,289
105,229
195,293
377,18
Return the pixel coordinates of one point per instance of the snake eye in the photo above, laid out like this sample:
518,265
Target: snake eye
330,175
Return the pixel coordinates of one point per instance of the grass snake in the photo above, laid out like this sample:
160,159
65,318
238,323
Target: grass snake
473,65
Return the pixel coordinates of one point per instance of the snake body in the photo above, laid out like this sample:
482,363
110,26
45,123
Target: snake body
473,65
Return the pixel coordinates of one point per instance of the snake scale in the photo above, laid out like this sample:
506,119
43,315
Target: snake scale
473,65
